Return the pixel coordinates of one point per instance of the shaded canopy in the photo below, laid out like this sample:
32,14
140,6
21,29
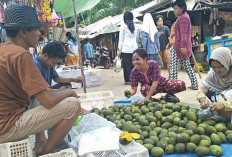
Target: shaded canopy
65,7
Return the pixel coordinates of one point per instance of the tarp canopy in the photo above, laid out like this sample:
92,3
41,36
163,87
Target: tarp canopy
109,29
65,7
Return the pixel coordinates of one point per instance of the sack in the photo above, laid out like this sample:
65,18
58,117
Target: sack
118,64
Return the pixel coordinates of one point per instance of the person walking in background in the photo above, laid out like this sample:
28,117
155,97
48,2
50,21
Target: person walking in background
72,56
164,33
150,38
88,51
128,42
180,43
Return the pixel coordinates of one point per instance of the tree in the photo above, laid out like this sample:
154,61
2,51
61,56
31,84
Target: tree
104,9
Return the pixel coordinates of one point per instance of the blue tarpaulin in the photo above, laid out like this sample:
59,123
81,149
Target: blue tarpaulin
127,101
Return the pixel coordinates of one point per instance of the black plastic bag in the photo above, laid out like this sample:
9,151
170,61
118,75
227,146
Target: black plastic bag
170,98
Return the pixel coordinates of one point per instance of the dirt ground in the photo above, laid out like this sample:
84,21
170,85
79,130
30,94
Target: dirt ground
112,81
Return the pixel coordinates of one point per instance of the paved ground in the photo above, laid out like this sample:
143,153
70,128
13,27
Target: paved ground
114,82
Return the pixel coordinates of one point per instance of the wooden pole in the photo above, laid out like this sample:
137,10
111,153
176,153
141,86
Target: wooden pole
47,28
79,46
195,65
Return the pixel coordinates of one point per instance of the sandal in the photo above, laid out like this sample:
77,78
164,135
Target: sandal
126,83
193,88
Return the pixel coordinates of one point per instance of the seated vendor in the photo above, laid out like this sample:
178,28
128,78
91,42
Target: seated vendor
219,78
147,73
52,54
26,106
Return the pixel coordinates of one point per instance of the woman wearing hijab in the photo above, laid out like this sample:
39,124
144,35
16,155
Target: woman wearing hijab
219,79
150,37
128,42
72,56
180,43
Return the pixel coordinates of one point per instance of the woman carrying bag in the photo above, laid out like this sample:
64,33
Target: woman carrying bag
180,43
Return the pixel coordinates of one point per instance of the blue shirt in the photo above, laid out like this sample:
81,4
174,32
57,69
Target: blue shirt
47,73
88,50
148,45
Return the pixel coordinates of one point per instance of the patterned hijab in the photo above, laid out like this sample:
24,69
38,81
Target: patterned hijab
223,56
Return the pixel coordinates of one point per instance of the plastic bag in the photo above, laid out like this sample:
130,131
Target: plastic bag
118,64
205,114
170,98
223,96
102,139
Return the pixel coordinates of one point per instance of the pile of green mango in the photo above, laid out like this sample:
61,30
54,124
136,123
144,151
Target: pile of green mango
170,127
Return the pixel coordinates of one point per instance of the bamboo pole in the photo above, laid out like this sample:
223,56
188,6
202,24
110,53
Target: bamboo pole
79,46
195,65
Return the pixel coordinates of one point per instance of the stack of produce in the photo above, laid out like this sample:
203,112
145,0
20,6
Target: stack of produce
171,128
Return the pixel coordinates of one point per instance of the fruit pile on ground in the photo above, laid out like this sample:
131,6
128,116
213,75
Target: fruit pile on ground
170,128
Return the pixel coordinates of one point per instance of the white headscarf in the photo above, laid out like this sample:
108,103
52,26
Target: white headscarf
149,26
223,56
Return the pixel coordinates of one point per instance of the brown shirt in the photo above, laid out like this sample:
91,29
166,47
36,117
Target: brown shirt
19,80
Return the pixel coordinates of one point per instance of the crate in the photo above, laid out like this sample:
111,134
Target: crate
63,153
93,121
133,149
89,122
96,100
69,74
93,77
16,149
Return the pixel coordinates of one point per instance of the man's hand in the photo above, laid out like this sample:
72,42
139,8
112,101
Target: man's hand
78,79
203,103
184,50
168,46
73,93
118,53
217,106
62,88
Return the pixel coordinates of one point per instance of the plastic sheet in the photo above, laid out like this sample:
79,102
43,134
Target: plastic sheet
127,101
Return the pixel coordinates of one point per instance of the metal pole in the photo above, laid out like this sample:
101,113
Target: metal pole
79,46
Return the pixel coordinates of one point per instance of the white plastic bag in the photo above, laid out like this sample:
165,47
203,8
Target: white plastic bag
223,96
118,64
102,139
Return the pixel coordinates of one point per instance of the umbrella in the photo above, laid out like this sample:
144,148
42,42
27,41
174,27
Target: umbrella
70,8
65,7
